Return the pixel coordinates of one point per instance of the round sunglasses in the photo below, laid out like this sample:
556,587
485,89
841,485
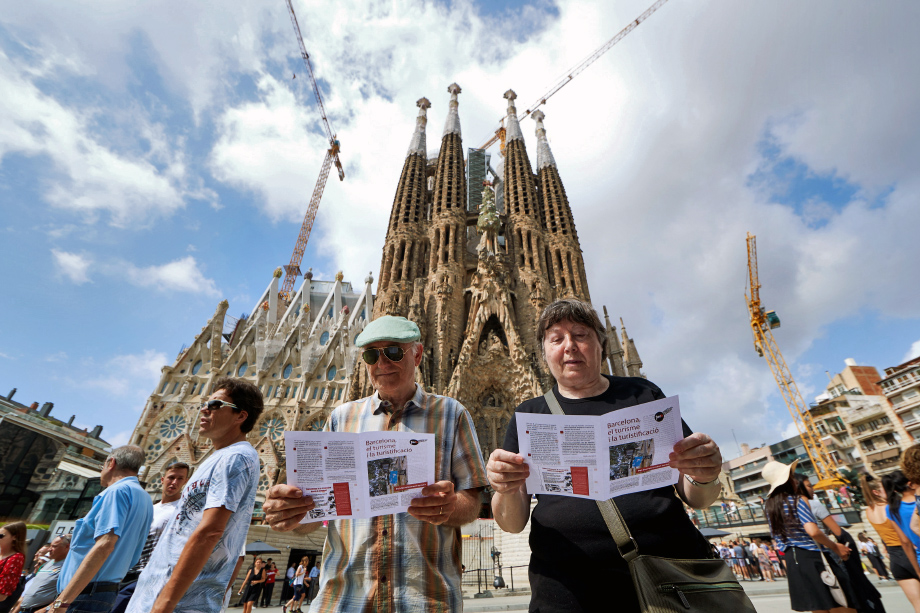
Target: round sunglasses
393,354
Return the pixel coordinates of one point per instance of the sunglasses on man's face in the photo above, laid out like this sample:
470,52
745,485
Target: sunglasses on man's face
393,354
213,405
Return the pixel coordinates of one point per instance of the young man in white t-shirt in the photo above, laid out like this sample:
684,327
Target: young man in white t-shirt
174,479
214,512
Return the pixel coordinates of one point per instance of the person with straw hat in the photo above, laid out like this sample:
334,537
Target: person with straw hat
796,533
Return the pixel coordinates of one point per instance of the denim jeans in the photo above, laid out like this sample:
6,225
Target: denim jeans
93,602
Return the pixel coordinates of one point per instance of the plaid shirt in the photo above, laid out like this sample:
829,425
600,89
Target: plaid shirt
396,563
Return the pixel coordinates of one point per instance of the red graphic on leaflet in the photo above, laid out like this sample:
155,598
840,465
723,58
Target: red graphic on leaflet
342,498
580,480
410,486
639,471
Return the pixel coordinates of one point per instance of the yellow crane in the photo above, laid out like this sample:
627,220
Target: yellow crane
572,73
762,324
292,270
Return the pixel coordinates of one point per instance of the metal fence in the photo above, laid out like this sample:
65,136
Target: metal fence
482,562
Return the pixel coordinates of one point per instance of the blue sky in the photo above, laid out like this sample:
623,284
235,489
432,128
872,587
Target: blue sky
156,161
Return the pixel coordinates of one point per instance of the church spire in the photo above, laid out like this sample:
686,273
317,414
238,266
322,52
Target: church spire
512,126
614,349
566,262
452,125
417,144
544,155
633,361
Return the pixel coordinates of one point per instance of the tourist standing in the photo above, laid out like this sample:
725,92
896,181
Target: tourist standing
253,584
795,531
41,590
172,482
407,561
271,571
575,565
199,548
300,576
12,559
109,540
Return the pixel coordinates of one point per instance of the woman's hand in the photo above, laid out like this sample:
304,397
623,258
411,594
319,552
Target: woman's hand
843,550
506,471
698,457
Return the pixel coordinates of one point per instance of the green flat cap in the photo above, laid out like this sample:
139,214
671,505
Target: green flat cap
389,328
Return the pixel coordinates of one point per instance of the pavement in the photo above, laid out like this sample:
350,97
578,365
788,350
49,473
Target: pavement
768,597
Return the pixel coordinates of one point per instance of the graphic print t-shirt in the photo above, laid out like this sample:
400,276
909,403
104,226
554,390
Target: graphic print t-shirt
228,478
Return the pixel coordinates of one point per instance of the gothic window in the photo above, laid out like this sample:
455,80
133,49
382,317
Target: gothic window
330,313
268,394
273,428
242,370
324,337
317,424
196,367
287,371
175,388
330,374
172,427
163,389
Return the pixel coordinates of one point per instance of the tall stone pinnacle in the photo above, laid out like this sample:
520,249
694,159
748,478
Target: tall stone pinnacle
512,126
544,154
417,144
452,125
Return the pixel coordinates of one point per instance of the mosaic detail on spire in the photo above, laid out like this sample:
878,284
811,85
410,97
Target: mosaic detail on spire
512,126
544,154
417,144
452,125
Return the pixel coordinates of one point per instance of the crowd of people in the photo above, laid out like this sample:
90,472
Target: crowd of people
128,555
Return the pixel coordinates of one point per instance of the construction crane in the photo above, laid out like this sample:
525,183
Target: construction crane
762,324
574,72
292,270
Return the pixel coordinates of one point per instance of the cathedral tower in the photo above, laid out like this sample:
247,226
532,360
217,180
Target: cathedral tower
565,263
475,277
447,236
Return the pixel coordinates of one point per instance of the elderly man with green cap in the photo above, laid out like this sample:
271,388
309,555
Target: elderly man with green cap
406,561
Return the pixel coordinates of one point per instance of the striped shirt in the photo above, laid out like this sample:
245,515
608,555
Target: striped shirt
396,563
795,532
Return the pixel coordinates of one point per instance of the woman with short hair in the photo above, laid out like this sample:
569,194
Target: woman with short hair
575,564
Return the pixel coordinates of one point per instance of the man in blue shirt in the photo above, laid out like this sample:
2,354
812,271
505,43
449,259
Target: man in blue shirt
109,540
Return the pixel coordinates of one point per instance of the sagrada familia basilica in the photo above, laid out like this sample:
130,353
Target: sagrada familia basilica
472,261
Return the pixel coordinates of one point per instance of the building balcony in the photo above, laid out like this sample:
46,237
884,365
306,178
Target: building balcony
911,379
907,405
883,429
751,485
746,471
853,416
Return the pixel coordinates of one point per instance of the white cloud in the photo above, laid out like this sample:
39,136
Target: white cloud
134,375
913,352
74,266
790,430
181,275
59,356
6,356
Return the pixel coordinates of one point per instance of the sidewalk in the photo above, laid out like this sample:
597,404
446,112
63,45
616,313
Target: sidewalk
506,600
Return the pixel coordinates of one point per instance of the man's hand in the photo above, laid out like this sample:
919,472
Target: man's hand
697,456
843,550
507,471
286,506
437,502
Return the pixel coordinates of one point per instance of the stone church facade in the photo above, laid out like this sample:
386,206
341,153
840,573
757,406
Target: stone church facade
301,355
475,278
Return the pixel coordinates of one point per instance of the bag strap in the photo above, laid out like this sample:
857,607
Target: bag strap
626,544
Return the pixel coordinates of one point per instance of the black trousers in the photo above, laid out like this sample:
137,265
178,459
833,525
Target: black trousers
267,589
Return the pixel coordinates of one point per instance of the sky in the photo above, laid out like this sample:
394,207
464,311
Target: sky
158,157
